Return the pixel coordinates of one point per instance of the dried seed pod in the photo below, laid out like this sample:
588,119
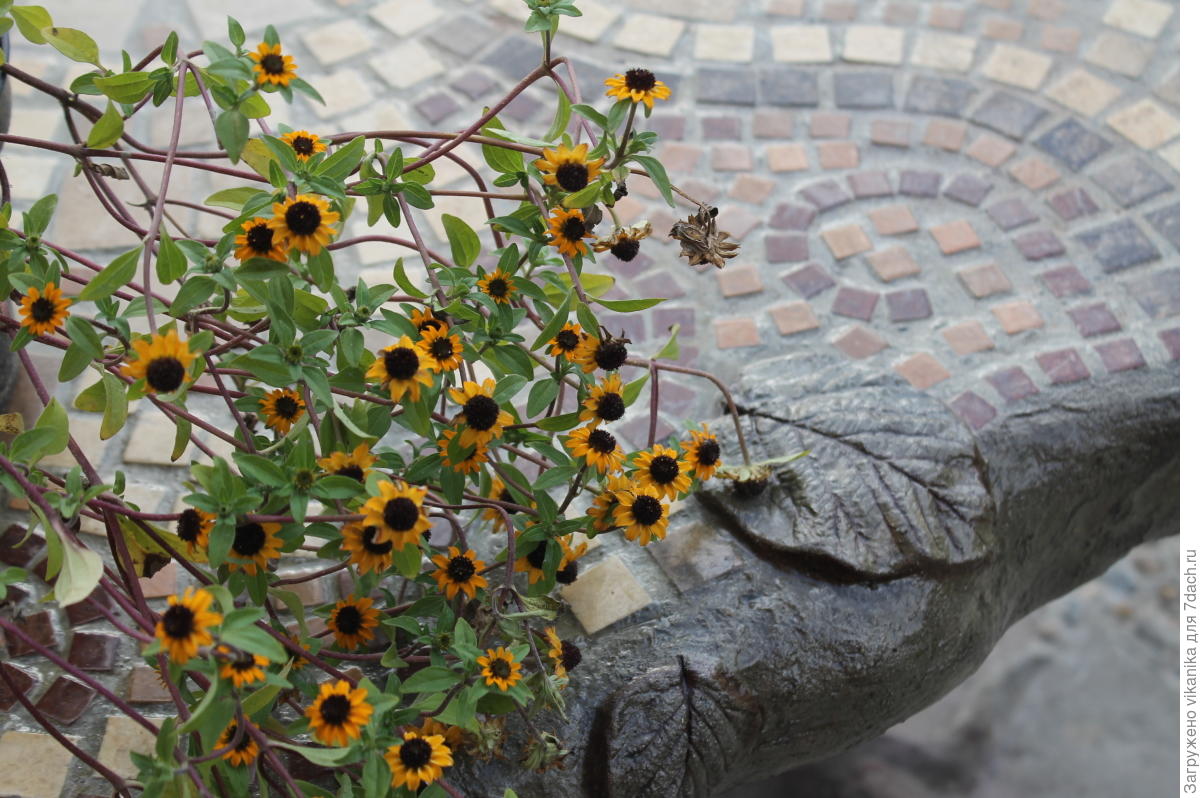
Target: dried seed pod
701,242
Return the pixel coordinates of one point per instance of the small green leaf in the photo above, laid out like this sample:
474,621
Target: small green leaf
37,218
401,278
107,130
54,417
658,175
31,20
464,242
236,35
183,437
627,305
586,196
670,350
507,387
344,161
233,130
115,275
233,198
560,423
128,87
541,395
431,679
631,392
172,263
74,44
116,407
255,107
561,117
91,398
80,573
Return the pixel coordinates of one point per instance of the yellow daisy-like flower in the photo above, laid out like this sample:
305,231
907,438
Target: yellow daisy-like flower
259,240
42,311
402,368
424,318
243,669
639,85
499,491
254,546
533,563
303,143
397,513
283,407
601,509
484,418
571,342
418,760
472,462
305,222
568,168
702,453
183,626
458,573
452,735
246,749
444,349
162,362
193,527
643,515
354,465
624,242
499,670
605,403
597,446
272,66
353,622
499,286
607,355
339,713
567,231
564,653
660,473
369,550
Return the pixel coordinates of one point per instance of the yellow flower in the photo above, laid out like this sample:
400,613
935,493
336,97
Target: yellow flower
607,355
303,143
258,240
643,515
397,512
567,572
472,462
499,670
339,713
305,222
418,760
564,653
353,622
600,511
639,85
193,527
246,750
702,452
458,572
353,465
659,473
424,318
499,492
254,545
444,350
624,242
485,420
368,550
605,403
567,231
283,407
597,446
571,342
568,168
183,626
499,286
271,66
402,368
453,735
162,362
244,669
42,311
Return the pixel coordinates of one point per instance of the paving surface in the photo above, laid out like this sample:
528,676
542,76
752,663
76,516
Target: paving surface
980,196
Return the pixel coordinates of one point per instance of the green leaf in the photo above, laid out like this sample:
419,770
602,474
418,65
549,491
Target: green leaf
205,704
401,278
233,198
198,288
553,477
627,305
591,114
255,641
658,175
54,417
84,336
74,44
670,350
75,360
30,446
561,117
501,159
183,437
170,47
507,387
172,263
254,107
80,573
344,160
431,679
91,398
115,275
37,218
128,87
30,21
107,130
236,35
586,196
554,326
560,423
464,242
116,407
260,469
633,389
233,130
541,395
325,757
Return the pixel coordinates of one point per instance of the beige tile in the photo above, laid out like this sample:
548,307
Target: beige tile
846,241
694,555
984,280
343,91
787,158
596,18
34,765
1018,316
1083,92
337,41
405,17
151,441
955,237
991,150
406,64
736,333
922,370
1034,173
892,264
794,317
1017,66
893,220
1061,39
739,280
1119,53
734,43
1003,28
859,342
1170,154
944,51
838,154
146,687
873,44
604,594
123,736
1146,123
1143,17
801,44
649,34
967,338
946,134
163,583
751,188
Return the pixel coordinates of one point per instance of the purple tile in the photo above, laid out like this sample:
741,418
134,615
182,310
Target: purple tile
674,397
662,285
437,107
85,611
636,430
1063,365
1131,181
1073,144
1066,281
826,194
1166,222
66,700
968,189
669,128
1094,319
522,108
721,128
788,216
786,248
665,317
94,652
1012,383
1121,355
1158,294
870,184
855,303
1072,204
1119,245
20,556
474,84
1011,213
973,409
37,626
809,280
919,184
1170,339
23,682
1039,244
908,305
631,325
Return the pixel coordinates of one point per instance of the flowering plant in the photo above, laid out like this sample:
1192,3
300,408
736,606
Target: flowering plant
431,446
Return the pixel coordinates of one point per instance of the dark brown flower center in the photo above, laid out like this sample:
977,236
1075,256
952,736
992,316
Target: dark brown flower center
601,441
573,229
500,668
568,574
348,620
646,510
610,406
460,569
572,176
626,249
335,709
164,374
708,452
189,526
497,288
401,363
272,64
354,471
640,79
538,556
303,218
567,340
401,514
286,407
249,539
442,348
178,622
260,238
416,753
303,145
664,469
570,655
374,546
440,319
243,663
41,309
481,412
611,355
